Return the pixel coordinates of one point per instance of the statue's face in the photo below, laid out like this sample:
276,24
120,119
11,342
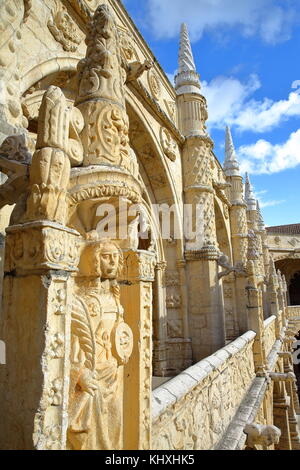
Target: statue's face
109,259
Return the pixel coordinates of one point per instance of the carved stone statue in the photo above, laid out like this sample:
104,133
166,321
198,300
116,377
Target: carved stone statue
101,344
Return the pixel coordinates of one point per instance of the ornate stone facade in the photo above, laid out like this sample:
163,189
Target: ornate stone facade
129,255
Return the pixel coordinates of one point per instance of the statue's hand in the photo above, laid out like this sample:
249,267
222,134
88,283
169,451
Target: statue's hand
87,382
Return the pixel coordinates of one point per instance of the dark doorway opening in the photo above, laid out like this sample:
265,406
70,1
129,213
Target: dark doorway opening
294,289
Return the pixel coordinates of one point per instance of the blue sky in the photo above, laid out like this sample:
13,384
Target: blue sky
247,53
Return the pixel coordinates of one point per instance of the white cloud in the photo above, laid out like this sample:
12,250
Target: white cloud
266,18
265,157
230,103
270,203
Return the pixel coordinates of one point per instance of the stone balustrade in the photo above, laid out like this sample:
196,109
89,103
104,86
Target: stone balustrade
194,409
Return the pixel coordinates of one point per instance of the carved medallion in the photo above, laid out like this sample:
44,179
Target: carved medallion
122,343
63,28
127,50
171,108
154,84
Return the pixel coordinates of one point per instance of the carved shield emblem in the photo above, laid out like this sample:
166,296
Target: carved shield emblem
122,342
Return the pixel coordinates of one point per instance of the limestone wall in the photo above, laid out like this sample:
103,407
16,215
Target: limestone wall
194,409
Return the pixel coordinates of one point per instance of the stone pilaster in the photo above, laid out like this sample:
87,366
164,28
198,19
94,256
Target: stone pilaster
136,296
160,357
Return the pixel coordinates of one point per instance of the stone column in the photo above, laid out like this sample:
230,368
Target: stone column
239,229
136,296
273,298
284,411
239,238
206,307
294,401
255,318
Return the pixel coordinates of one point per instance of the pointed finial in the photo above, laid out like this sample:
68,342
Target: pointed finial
186,60
187,79
231,165
260,220
249,195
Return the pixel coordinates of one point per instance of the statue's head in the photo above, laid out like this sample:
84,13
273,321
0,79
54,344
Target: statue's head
101,258
108,259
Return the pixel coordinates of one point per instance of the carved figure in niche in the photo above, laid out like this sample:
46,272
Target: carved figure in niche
100,344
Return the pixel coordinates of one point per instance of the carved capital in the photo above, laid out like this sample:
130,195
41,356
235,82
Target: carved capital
139,266
40,246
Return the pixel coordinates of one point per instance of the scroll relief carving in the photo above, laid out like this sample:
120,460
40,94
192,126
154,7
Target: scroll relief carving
63,28
101,343
169,145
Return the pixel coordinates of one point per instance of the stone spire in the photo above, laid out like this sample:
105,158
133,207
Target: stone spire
187,79
249,195
231,165
260,220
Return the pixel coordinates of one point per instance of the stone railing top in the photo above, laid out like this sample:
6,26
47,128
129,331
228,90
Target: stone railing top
172,391
269,320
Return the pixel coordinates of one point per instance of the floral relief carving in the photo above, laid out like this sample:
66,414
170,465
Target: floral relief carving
56,349
33,248
55,392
